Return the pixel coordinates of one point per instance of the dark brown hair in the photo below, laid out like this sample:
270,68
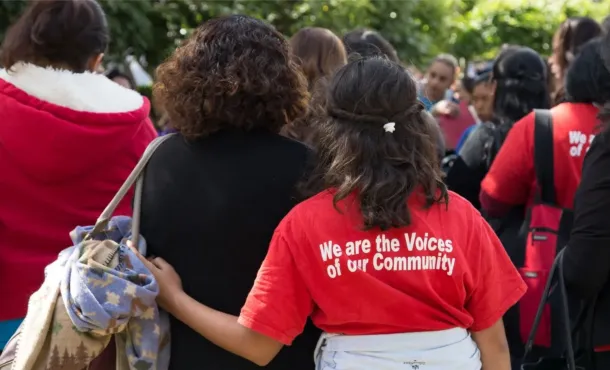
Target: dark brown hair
57,33
368,43
234,71
572,34
319,51
357,155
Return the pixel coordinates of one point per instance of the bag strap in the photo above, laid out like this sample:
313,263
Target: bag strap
544,156
556,269
135,177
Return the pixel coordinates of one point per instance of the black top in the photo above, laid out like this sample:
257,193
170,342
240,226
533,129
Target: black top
210,208
587,256
587,259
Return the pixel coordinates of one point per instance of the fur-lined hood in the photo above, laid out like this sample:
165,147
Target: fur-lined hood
82,92
50,116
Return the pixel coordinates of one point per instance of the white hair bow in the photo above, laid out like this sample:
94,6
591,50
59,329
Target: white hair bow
390,127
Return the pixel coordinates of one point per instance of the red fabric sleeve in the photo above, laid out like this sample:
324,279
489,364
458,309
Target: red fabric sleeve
512,174
496,283
279,303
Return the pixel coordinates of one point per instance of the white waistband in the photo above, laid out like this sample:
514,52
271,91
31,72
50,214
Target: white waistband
451,349
419,341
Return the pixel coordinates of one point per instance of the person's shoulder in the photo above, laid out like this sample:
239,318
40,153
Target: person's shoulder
526,122
574,108
315,204
306,212
458,204
459,211
294,146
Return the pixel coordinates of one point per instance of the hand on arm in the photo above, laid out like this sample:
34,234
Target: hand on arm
445,108
220,328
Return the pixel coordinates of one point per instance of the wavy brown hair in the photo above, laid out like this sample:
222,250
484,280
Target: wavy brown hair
571,35
357,155
319,53
234,71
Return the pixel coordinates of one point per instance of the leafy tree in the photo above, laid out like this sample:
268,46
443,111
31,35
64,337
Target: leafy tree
419,29
482,27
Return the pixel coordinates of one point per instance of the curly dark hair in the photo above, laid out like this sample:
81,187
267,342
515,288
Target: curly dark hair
356,153
234,71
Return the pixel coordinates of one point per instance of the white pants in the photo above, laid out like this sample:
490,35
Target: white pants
451,349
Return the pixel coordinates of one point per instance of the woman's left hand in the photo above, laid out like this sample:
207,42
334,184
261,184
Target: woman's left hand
168,280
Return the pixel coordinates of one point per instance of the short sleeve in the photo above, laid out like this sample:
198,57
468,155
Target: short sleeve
511,176
496,283
279,303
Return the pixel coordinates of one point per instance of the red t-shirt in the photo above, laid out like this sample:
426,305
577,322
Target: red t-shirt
453,127
446,270
512,178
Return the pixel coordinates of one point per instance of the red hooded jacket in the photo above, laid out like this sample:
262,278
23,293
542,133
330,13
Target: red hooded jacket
67,143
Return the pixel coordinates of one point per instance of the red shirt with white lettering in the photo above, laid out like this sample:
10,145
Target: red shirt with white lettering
511,179
446,270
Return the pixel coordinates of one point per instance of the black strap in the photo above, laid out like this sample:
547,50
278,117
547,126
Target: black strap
543,156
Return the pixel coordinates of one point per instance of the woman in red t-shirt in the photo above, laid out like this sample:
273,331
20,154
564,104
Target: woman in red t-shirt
390,265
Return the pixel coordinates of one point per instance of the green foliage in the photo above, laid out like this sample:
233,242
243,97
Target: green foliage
145,91
485,26
419,29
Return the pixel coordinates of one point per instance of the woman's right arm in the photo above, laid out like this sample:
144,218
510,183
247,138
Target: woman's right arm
493,346
493,285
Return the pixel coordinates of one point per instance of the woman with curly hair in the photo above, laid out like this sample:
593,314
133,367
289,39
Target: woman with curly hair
214,192
390,265
319,53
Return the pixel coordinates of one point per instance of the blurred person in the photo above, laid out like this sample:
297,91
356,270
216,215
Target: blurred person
519,78
587,271
320,53
482,103
439,77
68,140
511,185
511,179
214,193
340,256
567,41
120,78
367,43
452,113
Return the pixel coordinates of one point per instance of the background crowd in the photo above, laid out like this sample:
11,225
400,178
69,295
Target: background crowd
465,113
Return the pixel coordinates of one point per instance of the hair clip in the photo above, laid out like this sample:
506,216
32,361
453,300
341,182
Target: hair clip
390,127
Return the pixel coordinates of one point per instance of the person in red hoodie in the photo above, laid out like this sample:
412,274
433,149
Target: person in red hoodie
68,139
